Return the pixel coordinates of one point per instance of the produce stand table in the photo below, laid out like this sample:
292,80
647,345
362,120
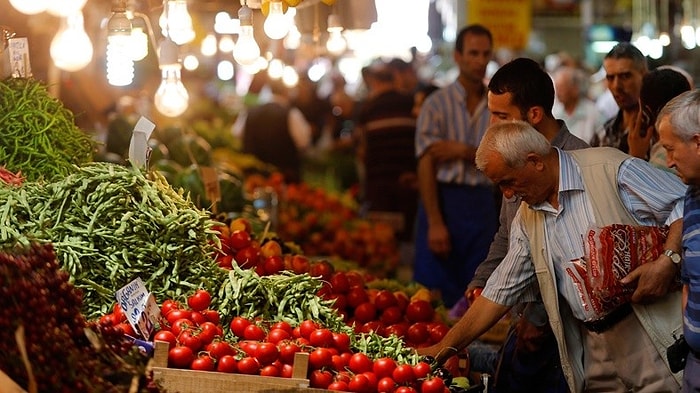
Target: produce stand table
189,381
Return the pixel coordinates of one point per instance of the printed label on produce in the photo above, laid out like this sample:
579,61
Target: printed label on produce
139,306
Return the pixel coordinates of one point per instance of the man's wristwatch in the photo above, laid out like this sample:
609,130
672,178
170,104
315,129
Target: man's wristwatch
675,257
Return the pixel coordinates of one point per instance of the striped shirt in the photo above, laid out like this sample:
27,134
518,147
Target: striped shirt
444,117
690,269
652,196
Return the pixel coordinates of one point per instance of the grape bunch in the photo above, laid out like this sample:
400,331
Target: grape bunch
36,294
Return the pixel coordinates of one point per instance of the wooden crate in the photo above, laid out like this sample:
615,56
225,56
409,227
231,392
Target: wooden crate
189,381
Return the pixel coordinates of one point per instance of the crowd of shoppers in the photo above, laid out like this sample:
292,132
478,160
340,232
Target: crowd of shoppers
519,141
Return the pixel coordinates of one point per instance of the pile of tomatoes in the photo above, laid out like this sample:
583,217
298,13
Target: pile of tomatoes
383,311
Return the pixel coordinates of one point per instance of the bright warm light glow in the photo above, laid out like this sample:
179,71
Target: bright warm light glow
688,37
171,98
30,7
293,39
665,39
223,24
225,70
208,47
190,62
290,77
71,49
246,51
656,49
317,70
65,7
120,67
179,22
336,44
276,24
138,50
226,44
275,69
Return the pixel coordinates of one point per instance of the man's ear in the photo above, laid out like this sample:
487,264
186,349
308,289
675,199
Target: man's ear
696,140
535,115
536,160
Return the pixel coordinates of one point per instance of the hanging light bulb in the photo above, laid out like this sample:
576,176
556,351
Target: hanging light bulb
138,49
293,39
120,66
71,49
178,22
246,51
30,7
65,7
276,24
171,98
336,44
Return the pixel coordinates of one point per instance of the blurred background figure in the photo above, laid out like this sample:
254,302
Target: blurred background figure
386,133
276,132
659,86
572,103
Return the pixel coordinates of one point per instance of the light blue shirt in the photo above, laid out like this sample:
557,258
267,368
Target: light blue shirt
652,196
444,116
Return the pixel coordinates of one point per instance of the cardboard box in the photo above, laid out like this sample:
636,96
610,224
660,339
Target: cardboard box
189,381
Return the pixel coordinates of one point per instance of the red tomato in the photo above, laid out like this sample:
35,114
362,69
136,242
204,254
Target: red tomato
339,282
180,313
421,370
239,239
167,336
386,385
307,327
338,386
356,296
338,363
300,264
365,312
432,385
391,315
248,365
273,264
190,338
248,257
200,300
277,335
249,347
341,342
270,371
402,300
282,325
167,306
266,353
208,332
355,279
359,383
287,351
118,313
385,299
322,269
320,379
372,380
320,357
238,326
227,364
253,332
417,333
180,325
397,329
420,311
403,373
437,332
405,389
212,316
359,363
373,326
225,261
383,367
198,318
180,357
219,349
340,301
203,363
286,371
321,338
125,328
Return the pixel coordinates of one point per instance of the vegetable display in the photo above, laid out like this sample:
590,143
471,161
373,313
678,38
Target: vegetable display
39,135
111,224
